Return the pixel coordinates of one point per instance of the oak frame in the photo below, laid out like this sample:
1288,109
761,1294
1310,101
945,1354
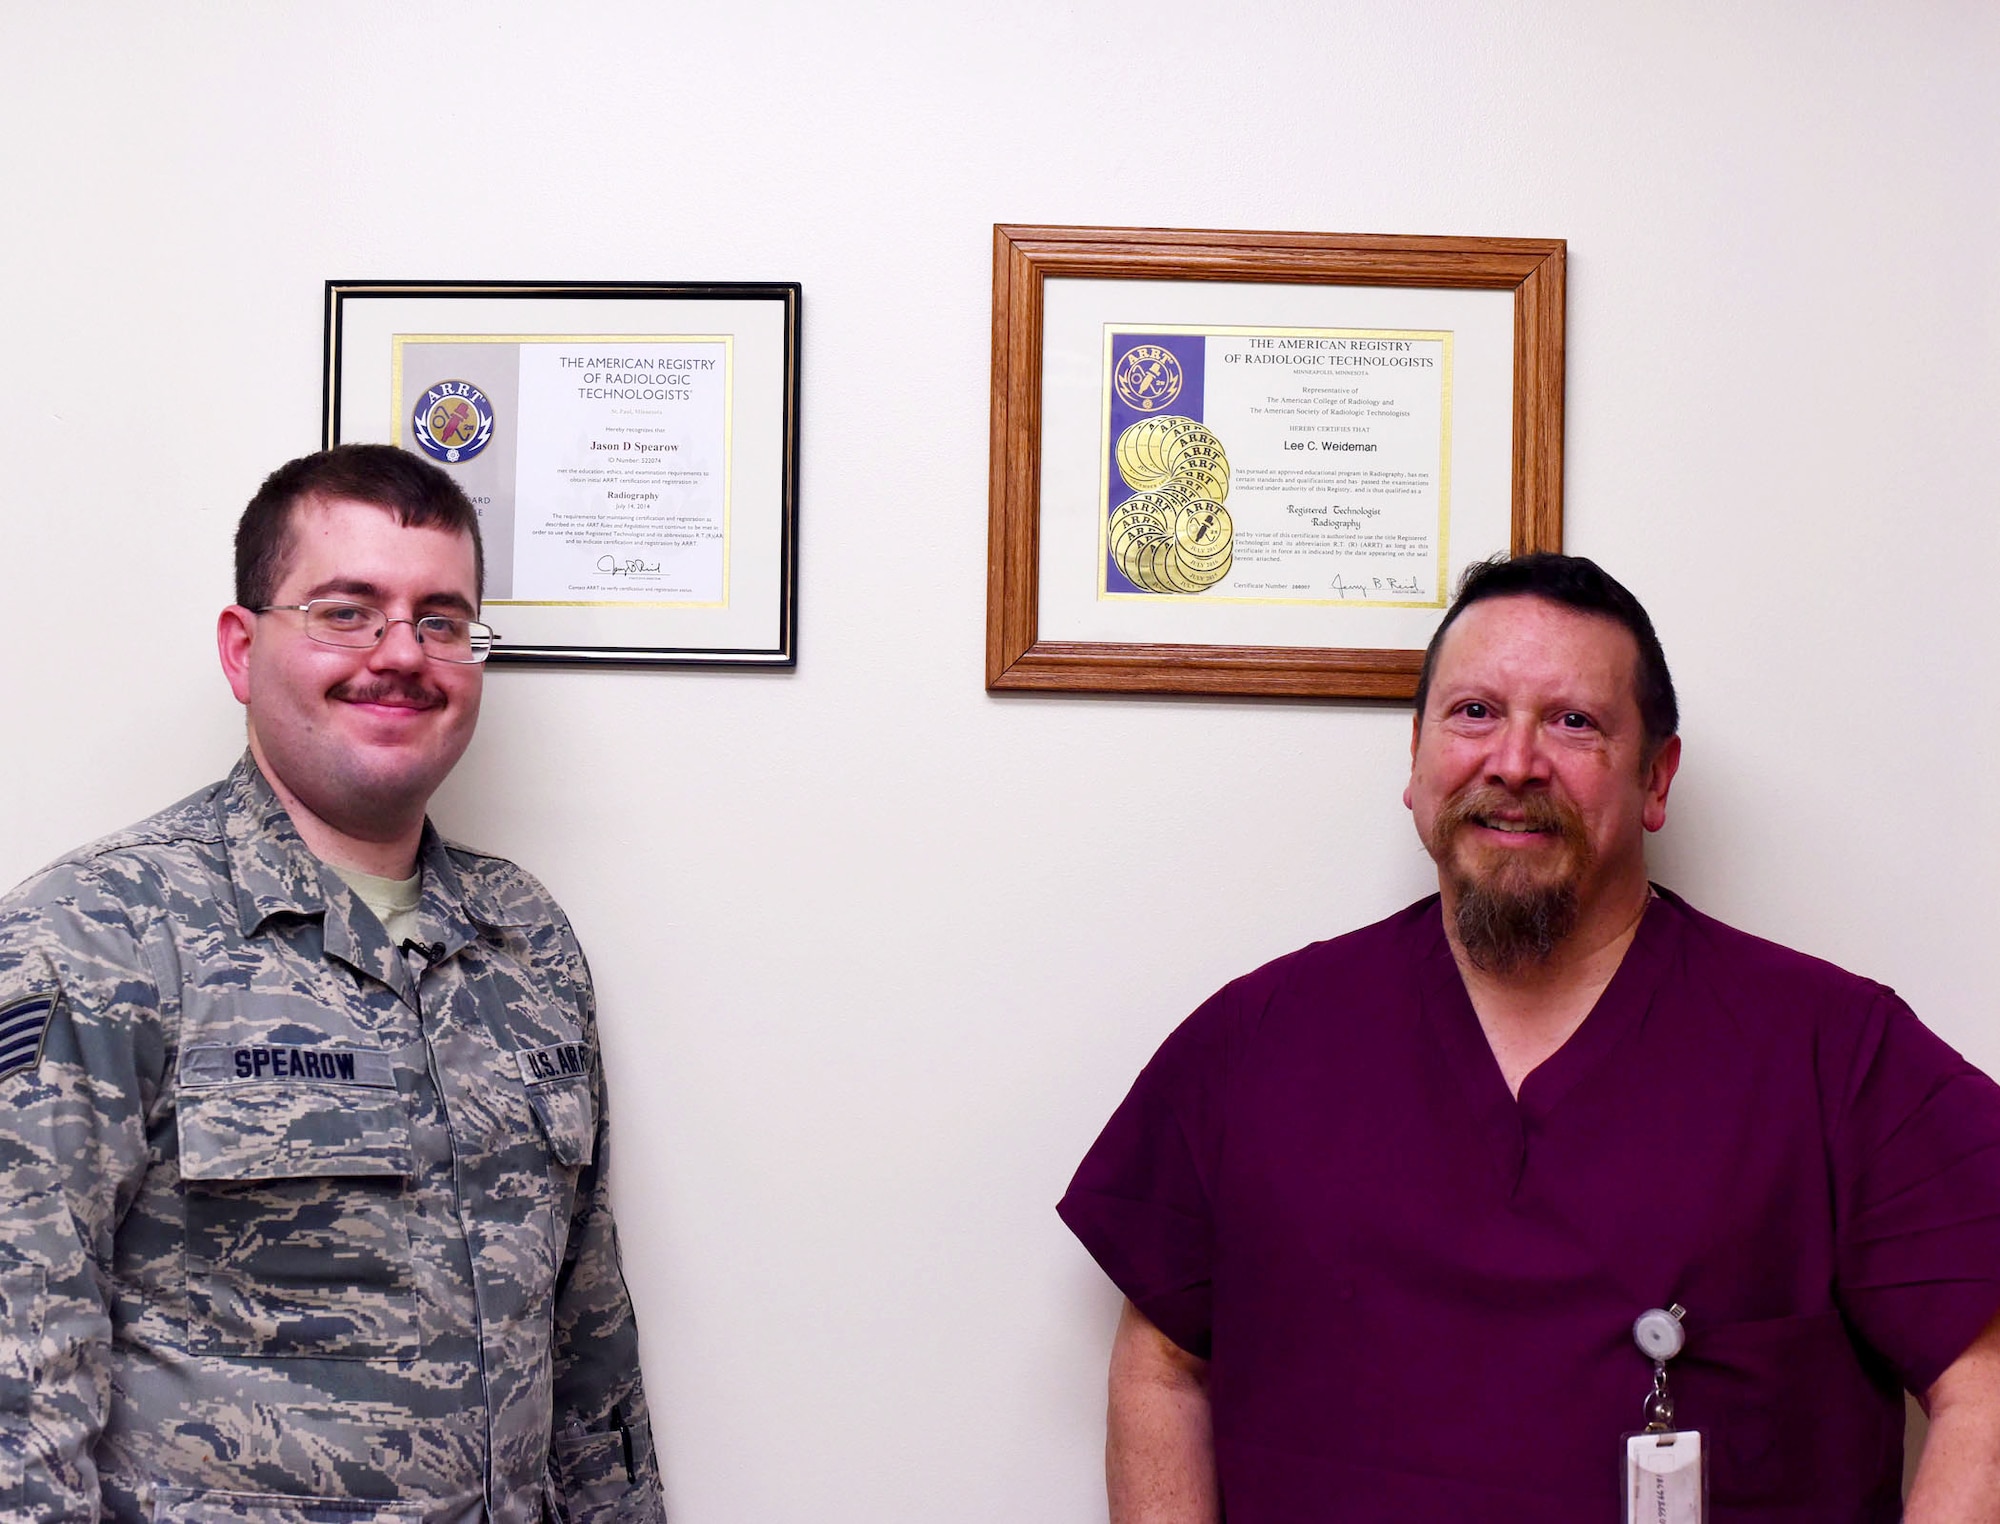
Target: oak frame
1025,256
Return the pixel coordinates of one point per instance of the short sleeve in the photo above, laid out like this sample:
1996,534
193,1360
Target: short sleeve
1916,1163
1140,1201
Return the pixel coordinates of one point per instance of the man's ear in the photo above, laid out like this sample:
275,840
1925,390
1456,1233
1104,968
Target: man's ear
1416,732
235,629
1659,778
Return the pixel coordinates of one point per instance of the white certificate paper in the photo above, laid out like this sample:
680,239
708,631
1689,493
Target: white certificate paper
622,473
1291,465
600,464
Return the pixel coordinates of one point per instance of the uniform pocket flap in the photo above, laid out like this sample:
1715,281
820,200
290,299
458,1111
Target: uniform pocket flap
569,1120
292,1127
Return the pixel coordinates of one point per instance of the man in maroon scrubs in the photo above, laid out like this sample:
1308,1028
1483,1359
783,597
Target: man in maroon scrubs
1385,1210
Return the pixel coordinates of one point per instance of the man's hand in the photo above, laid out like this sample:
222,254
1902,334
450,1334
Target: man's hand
1958,1479
1159,1449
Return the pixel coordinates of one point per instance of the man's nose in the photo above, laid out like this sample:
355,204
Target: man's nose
399,650
1517,757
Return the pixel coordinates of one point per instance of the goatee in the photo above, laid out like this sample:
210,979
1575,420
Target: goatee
1508,917
1504,932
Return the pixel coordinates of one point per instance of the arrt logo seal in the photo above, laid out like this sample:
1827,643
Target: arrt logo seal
453,422
1148,377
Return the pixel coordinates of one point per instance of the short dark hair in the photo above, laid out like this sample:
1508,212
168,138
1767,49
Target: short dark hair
1577,583
421,495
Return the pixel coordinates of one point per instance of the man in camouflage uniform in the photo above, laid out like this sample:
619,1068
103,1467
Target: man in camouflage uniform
304,1211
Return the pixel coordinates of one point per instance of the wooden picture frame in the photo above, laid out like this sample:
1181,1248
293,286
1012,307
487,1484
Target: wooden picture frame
1026,258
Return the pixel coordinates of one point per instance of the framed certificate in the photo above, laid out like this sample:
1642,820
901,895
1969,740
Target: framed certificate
1256,463
632,449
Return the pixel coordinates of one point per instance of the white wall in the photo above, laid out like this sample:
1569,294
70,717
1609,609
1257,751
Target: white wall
876,957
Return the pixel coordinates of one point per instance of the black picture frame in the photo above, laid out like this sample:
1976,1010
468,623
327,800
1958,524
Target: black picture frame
763,632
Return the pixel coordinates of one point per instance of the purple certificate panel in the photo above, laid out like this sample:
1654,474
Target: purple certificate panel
1153,375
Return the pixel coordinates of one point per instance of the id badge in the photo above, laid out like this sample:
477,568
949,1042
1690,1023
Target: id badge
1666,1478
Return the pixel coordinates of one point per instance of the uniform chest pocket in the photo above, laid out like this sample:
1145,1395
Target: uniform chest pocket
558,1083
1794,1414
298,1237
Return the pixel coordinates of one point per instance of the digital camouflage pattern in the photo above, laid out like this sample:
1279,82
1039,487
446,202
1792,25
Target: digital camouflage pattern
296,1226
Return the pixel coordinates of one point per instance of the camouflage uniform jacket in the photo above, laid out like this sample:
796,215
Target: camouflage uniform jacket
297,1226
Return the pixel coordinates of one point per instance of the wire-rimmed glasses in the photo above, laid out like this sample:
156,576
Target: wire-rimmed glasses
442,637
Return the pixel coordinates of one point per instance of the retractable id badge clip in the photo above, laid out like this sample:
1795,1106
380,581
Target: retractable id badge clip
1665,1469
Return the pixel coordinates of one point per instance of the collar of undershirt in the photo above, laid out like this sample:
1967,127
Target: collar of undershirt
385,896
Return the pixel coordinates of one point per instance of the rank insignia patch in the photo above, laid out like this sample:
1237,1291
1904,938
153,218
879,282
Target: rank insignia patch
22,1027
453,422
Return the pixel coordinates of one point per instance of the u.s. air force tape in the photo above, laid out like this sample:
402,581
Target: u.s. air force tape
287,1065
563,1060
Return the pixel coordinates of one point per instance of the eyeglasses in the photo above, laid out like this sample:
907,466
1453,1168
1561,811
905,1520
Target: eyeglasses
443,637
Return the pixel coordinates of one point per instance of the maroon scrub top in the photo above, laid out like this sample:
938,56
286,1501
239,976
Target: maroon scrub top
1417,1293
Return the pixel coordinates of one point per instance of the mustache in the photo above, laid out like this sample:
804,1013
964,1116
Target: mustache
1538,812
389,690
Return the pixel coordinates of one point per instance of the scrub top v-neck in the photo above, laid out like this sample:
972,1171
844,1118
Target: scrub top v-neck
1508,1121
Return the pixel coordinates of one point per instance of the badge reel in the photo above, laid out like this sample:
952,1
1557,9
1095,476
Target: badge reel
1666,1469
